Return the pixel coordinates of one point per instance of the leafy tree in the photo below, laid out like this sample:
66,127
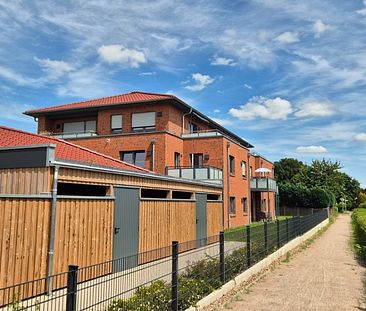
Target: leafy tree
288,170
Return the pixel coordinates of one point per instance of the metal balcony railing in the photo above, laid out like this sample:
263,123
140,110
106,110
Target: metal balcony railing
203,173
203,133
263,184
74,135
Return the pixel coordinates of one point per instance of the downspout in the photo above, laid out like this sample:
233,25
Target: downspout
228,183
51,243
153,142
186,114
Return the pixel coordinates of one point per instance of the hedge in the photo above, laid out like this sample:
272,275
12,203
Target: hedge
359,231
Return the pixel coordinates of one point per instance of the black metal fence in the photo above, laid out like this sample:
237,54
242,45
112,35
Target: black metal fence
169,278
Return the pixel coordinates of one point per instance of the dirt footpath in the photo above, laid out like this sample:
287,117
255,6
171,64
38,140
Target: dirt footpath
324,276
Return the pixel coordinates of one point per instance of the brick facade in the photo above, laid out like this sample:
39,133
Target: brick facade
168,141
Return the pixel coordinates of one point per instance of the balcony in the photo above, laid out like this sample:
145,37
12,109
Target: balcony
207,133
263,184
202,173
74,134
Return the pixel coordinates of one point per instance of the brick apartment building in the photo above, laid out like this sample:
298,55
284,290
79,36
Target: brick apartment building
162,133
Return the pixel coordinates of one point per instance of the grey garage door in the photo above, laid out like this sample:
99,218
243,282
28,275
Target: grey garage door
126,228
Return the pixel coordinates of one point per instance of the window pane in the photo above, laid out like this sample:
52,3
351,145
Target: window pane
243,168
127,157
116,122
74,127
91,126
232,165
145,119
140,159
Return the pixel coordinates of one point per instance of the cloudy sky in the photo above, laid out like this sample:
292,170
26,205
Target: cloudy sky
288,76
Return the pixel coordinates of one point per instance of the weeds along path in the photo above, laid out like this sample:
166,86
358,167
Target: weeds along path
324,276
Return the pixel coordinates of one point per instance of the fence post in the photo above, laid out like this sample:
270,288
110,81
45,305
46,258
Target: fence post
222,257
248,246
287,233
265,238
174,305
72,281
278,233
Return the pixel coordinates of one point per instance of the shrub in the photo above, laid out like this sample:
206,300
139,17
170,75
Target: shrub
155,296
359,231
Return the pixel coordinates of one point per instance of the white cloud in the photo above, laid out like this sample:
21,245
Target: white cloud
248,86
287,37
315,109
222,61
148,73
311,149
320,27
363,10
201,82
217,111
360,137
14,112
118,54
265,108
55,68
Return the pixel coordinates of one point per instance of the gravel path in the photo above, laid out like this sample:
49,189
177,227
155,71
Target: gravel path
324,276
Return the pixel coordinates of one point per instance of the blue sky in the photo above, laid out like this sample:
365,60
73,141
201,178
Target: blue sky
288,76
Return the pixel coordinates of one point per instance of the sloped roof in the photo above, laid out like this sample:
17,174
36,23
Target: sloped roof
132,97
65,151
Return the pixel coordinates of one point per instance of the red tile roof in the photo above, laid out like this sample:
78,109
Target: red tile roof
65,151
132,97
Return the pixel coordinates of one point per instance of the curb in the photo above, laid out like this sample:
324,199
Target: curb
258,267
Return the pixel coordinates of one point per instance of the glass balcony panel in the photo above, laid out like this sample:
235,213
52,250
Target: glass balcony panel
201,173
187,173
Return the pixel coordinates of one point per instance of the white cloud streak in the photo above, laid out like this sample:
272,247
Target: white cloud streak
287,37
222,61
265,108
311,149
360,137
315,109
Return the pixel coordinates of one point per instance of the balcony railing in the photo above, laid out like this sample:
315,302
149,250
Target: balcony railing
203,173
263,184
75,135
204,133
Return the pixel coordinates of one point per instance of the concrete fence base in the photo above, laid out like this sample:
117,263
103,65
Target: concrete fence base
257,268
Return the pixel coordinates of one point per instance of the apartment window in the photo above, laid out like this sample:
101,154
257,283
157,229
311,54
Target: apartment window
134,157
250,171
144,121
243,168
232,209
80,126
193,128
176,159
196,159
244,202
232,165
116,123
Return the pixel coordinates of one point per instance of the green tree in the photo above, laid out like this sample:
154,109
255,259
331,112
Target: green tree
288,170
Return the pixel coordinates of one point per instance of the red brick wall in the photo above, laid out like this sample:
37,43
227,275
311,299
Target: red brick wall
239,185
131,142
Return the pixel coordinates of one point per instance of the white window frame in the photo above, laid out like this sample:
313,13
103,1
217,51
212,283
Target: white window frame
243,168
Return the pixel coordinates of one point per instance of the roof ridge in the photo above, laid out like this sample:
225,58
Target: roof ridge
100,99
77,146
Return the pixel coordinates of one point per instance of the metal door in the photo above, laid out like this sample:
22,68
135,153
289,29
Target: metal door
201,218
126,228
